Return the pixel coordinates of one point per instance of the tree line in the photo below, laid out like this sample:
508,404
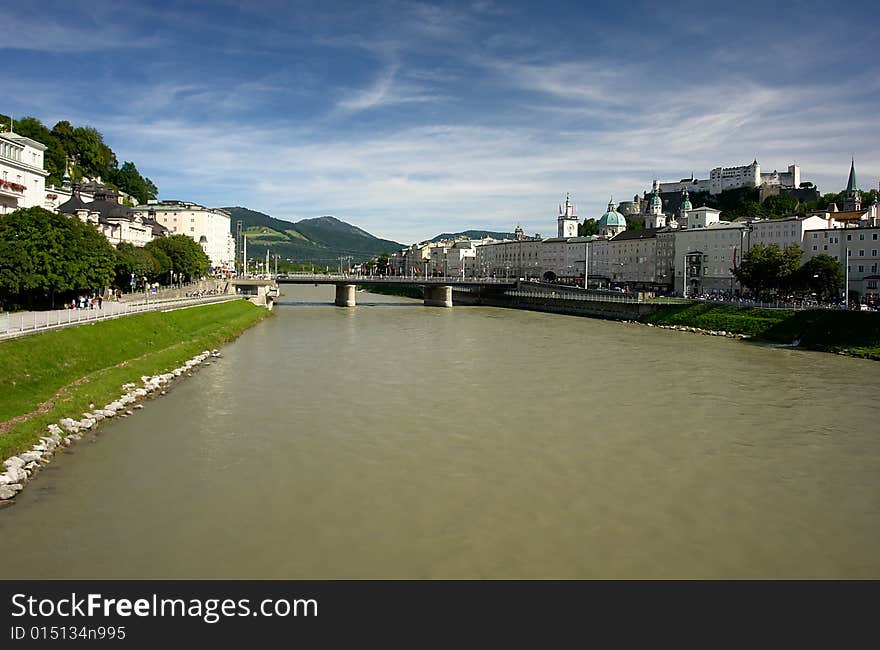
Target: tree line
89,155
47,258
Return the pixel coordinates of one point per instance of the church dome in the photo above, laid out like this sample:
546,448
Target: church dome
612,217
655,200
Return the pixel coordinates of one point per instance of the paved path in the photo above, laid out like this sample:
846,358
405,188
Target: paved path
32,322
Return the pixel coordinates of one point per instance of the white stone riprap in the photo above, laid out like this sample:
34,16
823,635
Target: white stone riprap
67,431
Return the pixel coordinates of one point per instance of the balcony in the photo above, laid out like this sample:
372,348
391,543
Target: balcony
15,190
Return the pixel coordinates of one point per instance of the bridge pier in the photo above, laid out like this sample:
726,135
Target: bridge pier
345,295
438,296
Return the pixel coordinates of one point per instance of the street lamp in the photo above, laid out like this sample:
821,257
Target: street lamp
586,265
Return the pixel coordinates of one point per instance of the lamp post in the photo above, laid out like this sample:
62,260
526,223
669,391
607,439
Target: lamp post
846,282
586,265
684,288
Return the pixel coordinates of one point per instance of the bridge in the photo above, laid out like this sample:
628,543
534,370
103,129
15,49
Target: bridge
438,290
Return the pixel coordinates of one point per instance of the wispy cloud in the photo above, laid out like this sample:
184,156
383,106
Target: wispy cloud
413,118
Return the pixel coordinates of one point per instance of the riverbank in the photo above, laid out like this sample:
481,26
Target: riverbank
826,330
847,332
62,374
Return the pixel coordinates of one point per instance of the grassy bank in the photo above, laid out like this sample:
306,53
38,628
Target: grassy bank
856,333
46,377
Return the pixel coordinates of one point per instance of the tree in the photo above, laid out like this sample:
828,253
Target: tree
780,205
823,276
184,255
43,254
767,268
134,260
383,263
129,180
53,157
94,157
635,224
588,227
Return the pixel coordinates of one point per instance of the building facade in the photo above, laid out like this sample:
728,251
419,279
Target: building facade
22,177
208,227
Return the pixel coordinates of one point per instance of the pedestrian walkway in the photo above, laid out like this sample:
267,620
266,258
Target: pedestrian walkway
23,323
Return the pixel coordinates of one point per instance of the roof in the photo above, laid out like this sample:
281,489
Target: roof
848,216
647,233
74,203
851,185
612,217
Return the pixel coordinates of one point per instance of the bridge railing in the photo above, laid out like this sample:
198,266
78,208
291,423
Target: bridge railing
392,279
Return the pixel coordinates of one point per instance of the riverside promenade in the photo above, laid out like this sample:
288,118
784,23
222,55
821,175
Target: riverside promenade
24,323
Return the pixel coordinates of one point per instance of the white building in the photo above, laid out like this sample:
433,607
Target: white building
790,231
729,178
209,227
119,224
703,257
22,177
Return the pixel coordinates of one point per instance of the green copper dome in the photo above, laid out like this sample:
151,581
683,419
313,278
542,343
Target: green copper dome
612,217
655,200
686,202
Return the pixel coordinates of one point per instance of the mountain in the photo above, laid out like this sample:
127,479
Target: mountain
322,240
474,234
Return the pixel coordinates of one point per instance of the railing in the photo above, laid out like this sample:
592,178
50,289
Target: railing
572,295
393,279
25,323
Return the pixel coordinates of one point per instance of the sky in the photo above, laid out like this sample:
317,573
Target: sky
409,119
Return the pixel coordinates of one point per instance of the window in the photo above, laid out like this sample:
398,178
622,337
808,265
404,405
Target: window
861,269
824,248
875,236
862,237
815,248
873,252
849,238
861,253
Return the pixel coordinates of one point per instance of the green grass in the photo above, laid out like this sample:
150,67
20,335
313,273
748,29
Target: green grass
104,356
856,333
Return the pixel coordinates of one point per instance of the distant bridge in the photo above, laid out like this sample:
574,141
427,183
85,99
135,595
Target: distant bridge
438,290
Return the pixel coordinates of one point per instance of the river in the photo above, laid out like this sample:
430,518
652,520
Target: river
393,440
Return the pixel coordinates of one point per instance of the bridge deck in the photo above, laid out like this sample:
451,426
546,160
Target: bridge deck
396,280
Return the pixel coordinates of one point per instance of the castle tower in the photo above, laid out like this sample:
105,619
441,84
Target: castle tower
567,221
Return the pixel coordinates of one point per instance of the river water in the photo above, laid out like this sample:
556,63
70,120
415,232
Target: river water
394,440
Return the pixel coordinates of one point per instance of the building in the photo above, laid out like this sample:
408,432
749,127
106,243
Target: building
209,227
612,222
22,177
567,221
633,260
119,224
860,247
704,258
852,197
729,178
654,217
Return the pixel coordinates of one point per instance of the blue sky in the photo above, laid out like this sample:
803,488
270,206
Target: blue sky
409,119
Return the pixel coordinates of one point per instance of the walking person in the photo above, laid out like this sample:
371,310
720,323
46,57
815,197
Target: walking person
100,301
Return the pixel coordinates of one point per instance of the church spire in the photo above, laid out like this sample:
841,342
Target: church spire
851,185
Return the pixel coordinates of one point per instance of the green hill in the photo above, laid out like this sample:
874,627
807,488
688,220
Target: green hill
321,240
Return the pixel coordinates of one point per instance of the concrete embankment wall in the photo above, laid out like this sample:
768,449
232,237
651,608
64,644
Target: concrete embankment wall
591,308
